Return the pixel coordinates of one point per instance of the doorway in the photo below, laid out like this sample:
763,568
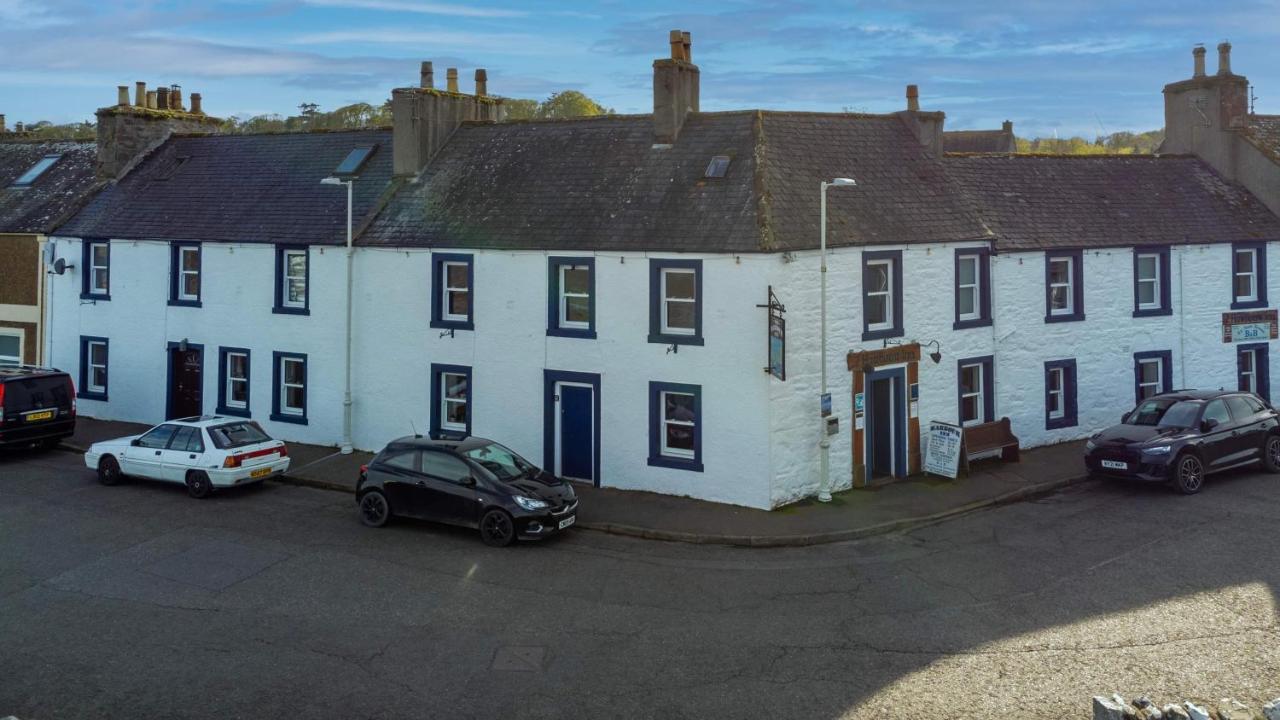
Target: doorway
186,381
886,424
572,426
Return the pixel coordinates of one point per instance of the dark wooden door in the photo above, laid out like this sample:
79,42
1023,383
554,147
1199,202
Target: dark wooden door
186,379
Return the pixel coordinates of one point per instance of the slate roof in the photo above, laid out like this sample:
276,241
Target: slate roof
599,184
1038,201
978,141
59,191
1264,131
239,188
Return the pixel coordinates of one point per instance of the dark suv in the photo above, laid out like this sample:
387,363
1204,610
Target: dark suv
471,482
1182,436
37,405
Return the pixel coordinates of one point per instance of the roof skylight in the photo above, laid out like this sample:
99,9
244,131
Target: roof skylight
718,166
354,160
29,177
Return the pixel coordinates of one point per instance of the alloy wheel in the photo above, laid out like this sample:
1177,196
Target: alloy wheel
374,510
497,529
1190,474
1273,451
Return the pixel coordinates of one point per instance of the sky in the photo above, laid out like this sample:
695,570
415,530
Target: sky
1080,67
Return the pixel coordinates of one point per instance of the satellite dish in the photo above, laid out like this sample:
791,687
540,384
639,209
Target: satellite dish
59,266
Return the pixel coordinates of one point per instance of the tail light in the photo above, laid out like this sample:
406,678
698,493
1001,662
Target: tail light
364,473
232,461
71,392
284,450
1,402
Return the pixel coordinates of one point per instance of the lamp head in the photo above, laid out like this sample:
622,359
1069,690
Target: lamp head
843,181
936,357
331,181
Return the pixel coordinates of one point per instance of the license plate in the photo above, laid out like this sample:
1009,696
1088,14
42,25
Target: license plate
1114,465
34,417
567,522
260,473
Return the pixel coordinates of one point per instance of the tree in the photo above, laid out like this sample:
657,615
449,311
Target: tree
559,105
1117,143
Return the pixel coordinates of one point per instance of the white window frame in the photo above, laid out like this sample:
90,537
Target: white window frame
565,322
1250,376
667,329
231,380
446,401
91,386
1251,273
1157,386
16,360
663,448
975,287
285,278
94,287
1154,281
978,393
887,293
1057,392
447,290
285,385
1069,285
183,272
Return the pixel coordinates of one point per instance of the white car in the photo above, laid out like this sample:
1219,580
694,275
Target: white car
201,452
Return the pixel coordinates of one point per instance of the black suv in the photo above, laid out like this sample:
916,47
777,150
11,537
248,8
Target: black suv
471,482
1182,436
37,405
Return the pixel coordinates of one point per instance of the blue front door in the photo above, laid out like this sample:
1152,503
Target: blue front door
577,442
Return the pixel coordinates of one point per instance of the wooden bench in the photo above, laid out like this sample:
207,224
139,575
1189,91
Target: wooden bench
989,437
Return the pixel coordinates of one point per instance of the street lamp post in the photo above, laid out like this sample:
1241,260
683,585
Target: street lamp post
824,454
346,397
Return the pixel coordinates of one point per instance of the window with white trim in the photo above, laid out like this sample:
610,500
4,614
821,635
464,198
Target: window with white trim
1245,265
1061,277
185,288
99,268
1148,281
972,399
679,300
1150,377
968,287
455,395
96,366
293,386
679,422
237,388
456,289
10,347
1057,405
293,278
1248,364
575,297
879,294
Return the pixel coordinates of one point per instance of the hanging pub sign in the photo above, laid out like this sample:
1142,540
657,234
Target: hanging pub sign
1249,325
777,366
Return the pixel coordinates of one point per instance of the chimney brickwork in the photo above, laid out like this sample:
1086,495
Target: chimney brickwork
126,130
423,118
676,89
927,126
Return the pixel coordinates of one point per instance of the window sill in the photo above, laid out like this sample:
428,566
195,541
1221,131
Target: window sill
1152,312
234,412
892,332
184,303
1059,423
453,324
1074,317
583,333
282,310
92,296
89,395
675,463
966,324
661,339
294,419
1248,304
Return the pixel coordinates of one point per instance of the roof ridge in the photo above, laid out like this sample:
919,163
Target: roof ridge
277,133
1071,156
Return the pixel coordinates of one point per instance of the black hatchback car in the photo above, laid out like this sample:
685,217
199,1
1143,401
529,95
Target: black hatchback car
472,482
1180,437
37,406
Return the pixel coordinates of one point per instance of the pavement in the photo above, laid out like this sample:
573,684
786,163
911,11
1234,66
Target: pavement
273,601
861,512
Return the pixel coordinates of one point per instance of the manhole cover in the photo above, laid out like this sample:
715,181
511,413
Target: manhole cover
515,658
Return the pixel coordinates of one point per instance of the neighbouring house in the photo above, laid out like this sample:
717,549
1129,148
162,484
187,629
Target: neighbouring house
602,294
981,141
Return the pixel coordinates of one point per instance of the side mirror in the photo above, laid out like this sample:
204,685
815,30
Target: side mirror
1123,417
135,442
467,481
1208,424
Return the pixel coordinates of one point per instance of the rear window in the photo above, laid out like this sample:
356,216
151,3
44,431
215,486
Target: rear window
237,434
22,394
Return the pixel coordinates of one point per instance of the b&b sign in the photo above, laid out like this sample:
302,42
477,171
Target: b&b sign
1249,325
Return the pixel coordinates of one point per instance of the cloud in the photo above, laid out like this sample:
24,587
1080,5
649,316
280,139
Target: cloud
426,8
419,38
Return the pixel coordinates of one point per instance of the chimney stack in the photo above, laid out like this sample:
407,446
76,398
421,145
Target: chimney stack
1224,58
927,126
140,94
175,98
126,130
1198,54
162,98
426,76
195,104
482,82
1007,126
676,89
451,78
423,118
913,98
19,127
151,100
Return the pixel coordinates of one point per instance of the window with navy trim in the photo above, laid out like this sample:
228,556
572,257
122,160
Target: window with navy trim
1253,369
450,400
1063,285
1151,282
973,288
233,382
571,297
94,361
1248,275
293,280
881,294
289,387
976,390
1152,373
95,283
184,275
675,426
675,301
1059,394
452,291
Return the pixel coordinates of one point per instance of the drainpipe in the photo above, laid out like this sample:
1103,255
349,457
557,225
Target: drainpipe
1182,325
346,397
824,454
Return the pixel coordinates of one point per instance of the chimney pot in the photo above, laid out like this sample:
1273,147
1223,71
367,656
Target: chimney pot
677,45
162,98
19,127
426,76
1198,54
913,98
1007,126
482,82
2,123
451,78
195,104
122,95
1224,58
175,98
140,94
686,42
151,99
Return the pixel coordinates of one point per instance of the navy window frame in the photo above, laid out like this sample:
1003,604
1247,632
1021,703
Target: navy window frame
1166,371
438,319
175,273
223,408
1260,279
988,387
895,258
656,458
984,288
86,270
1070,411
1162,276
1261,367
656,335
1077,286
280,292
276,378
553,297
83,390
437,395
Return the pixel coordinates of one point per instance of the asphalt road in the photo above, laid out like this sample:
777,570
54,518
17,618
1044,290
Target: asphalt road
138,602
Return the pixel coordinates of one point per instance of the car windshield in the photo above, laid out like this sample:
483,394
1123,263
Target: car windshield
500,461
1180,415
1149,412
237,434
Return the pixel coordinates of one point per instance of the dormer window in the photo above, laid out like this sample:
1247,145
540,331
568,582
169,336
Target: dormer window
28,178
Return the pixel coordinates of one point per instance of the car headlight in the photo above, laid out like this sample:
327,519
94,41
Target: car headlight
529,503
1090,444
1157,449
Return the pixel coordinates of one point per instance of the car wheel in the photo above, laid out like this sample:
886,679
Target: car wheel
497,529
1189,477
1271,453
109,471
375,511
198,485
